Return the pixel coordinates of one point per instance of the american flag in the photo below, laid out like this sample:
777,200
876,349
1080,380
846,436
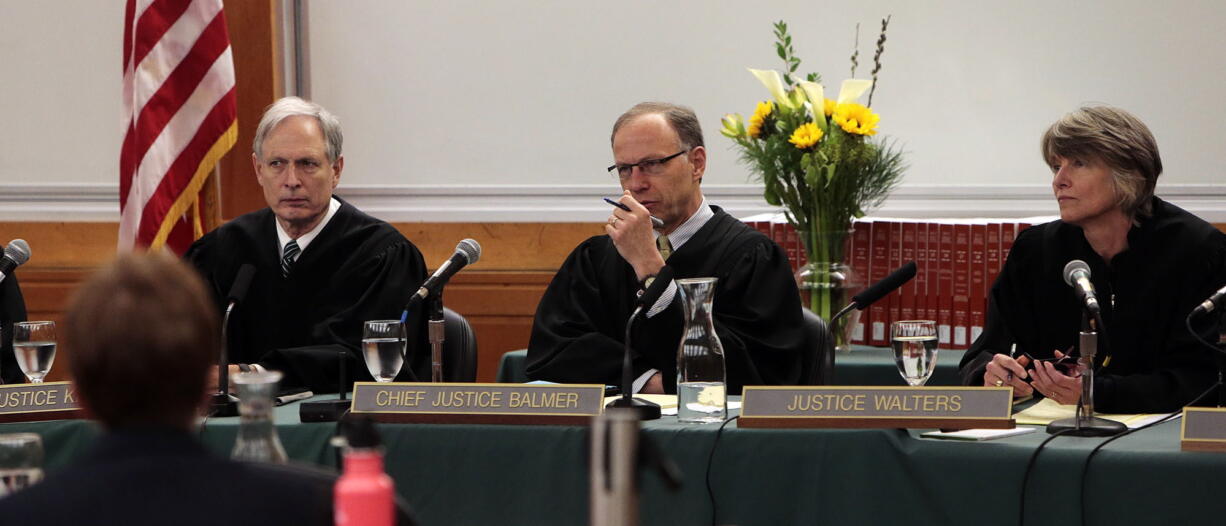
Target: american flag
179,104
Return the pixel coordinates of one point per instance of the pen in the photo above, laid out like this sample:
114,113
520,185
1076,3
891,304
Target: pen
655,221
1008,373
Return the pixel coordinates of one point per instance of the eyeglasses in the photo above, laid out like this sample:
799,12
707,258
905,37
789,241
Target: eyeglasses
647,166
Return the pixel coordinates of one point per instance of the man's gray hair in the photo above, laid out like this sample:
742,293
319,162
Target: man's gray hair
291,106
681,118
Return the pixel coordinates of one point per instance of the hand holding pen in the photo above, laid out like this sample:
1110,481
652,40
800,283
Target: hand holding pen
630,228
656,222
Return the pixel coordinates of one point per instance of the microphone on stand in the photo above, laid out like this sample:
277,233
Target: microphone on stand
221,404
15,254
878,290
646,410
1084,423
466,253
1209,305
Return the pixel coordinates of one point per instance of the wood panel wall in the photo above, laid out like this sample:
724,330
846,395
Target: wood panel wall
498,294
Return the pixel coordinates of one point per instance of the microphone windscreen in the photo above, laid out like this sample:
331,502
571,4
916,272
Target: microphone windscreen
471,250
242,282
18,251
1074,266
881,288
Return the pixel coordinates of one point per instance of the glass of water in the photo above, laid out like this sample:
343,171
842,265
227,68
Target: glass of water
915,349
21,461
34,347
383,345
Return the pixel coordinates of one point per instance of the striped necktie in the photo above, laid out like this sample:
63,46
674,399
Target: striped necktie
291,255
666,248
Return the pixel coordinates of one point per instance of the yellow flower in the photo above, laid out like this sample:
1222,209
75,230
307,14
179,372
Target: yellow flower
758,120
806,135
828,107
856,119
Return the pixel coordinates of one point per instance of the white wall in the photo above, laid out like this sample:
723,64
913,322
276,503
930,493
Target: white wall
500,110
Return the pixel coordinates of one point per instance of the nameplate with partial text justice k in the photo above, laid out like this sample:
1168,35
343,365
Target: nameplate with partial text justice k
1203,429
558,404
877,407
34,402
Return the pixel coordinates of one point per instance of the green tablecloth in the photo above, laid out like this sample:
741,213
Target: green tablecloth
859,366
523,475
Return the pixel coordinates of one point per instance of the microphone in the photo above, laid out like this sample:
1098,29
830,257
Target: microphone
15,254
242,282
1077,275
879,289
646,410
220,403
1214,302
467,252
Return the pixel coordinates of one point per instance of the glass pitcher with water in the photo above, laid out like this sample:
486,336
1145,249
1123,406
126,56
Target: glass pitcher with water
701,387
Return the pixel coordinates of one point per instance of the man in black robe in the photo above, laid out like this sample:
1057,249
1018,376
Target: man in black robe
12,309
322,266
580,322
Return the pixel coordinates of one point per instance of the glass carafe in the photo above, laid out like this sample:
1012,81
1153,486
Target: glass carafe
701,387
257,436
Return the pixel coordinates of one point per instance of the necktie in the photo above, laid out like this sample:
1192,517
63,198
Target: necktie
291,255
666,248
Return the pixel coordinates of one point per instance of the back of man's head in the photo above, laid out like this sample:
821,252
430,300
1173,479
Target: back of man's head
143,334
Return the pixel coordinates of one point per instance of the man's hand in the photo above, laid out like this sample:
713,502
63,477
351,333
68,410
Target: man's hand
211,385
654,385
1050,382
631,234
1003,370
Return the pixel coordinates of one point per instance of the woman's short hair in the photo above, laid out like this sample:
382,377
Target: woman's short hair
287,107
1117,138
142,334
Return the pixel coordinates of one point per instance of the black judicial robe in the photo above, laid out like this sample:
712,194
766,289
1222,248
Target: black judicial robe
1173,262
580,322
12,309
358,268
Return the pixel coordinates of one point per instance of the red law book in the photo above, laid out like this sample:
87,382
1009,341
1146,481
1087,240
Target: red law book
1008,232
861,242
933,272
994,260
760,222
906,295
945,316
785,236
961,286
895,297
978,272
920,281
880,312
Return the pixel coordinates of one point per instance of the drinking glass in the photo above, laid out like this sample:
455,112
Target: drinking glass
34,347
915,349
21,461
383,345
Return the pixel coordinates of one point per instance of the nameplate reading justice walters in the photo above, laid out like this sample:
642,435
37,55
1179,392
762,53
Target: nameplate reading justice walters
1203,429
479,403
32,402
906,407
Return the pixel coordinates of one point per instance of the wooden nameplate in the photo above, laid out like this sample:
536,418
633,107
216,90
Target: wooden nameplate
464,403
1203,429
37,402
877,407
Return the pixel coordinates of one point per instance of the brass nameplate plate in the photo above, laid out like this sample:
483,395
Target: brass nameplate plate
32,402
479,403
866,407
1203,429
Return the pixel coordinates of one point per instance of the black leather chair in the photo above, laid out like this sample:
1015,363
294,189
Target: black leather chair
818,363
459,348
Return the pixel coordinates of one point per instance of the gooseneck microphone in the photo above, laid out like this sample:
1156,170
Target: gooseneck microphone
221,404
15,254
1077,275
646,410
467,252
1209,305
878,290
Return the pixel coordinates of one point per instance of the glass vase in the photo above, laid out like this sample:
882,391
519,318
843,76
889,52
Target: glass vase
257,436
827,283
701,386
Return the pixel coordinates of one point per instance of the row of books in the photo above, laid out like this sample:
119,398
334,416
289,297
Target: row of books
957,262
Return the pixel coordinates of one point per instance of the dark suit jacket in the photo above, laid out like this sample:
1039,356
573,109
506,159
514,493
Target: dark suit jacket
159,477
12,309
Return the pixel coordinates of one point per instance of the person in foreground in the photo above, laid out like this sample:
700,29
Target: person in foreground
580,322
322,266
143,336
1151,263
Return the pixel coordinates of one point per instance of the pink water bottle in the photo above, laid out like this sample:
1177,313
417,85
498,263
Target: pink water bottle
364,495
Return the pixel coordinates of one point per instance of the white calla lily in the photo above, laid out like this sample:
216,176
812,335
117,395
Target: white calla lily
852,89
816,94
774,83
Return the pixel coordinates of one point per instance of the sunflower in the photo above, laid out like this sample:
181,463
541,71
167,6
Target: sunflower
761,114
828,106
806,135
856,119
